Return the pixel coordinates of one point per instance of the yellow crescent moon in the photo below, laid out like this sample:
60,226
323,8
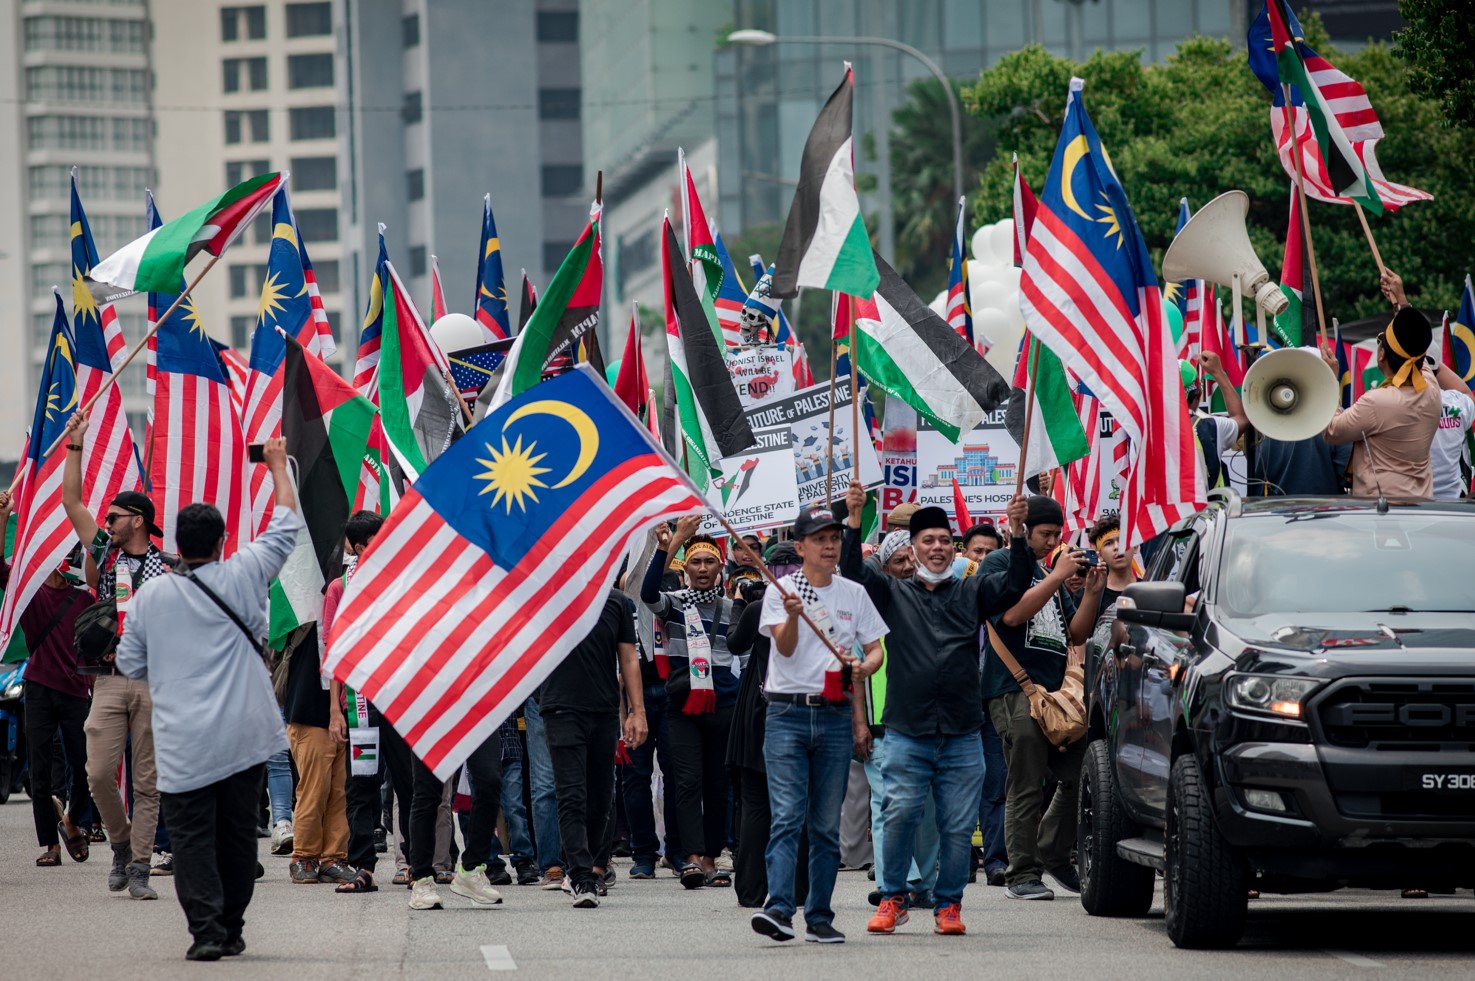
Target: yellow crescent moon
583,426
1468,336
1074,151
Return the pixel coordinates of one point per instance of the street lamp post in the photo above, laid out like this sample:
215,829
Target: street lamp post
760,39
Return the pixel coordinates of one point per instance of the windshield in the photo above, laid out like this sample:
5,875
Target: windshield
1406,561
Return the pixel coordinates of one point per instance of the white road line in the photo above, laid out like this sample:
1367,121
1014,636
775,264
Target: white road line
497,958
1356,960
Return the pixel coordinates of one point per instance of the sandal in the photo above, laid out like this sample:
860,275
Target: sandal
444,877
50,857
401,876
692,875
719,878
97,835
1415,894
361,882
76,845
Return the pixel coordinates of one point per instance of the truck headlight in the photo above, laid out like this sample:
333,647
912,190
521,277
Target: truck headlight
1273,694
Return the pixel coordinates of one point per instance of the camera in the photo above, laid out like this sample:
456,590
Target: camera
752,590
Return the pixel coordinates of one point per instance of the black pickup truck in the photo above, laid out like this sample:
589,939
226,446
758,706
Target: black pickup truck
1287,704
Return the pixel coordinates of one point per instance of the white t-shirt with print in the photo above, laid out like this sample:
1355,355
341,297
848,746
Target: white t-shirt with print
852,614
1457,414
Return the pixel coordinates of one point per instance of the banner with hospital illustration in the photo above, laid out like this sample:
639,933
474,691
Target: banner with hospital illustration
983,461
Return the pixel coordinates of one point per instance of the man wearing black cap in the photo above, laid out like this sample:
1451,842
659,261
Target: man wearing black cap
932,713
119,561
807,745
1038,632
1399,417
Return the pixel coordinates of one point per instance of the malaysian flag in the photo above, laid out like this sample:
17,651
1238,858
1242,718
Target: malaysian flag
237,370
326,347
959,313
491,287
464,603
1089,292
372,332
731,293
196,448
286,306
1188,297
109,459
43,533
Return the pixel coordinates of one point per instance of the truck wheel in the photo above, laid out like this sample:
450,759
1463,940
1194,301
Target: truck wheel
1110,885
1204,884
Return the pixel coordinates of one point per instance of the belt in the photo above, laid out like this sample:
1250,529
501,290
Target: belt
811,700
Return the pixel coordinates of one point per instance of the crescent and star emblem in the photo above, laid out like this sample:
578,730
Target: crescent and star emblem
513,473
1075,151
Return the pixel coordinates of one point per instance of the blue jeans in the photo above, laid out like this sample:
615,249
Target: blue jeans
806,751
949,769
519,843
279,786
545,796
991,805
636,780
922,876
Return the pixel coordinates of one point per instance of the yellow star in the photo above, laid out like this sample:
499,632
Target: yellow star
272,293
512,473
190,316
83,305
500,295
1170,294
1109,219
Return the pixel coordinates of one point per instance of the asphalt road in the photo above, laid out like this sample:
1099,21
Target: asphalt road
63,923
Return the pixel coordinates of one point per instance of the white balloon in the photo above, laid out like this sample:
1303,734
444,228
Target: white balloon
1013,312
1001,241
980,273
979,246
939,305
989,323
456,332
1005,350
991,295
1010,275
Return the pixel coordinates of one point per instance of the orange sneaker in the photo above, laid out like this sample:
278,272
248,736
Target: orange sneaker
948,920
891,914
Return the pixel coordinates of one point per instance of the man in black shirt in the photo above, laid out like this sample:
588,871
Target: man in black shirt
1038,631
932,715
580,702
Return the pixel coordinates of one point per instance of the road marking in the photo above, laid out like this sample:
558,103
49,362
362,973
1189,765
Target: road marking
498,958
1356,960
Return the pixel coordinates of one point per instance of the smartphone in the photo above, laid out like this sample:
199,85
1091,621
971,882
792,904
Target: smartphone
256,453
1092,557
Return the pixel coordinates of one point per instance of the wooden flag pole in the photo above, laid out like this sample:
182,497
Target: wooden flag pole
854,392
830,431
1368,233
1306,222
113,376
1029,411
451,382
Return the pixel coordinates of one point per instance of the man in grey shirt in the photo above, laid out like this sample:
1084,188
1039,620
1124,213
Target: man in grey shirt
215,717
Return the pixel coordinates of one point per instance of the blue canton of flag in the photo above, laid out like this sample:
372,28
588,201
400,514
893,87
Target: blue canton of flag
371,336
474,367
91,348
1178,292
464,603
57,398
731,295
181,344
959,310
284,299
1459,341
491,288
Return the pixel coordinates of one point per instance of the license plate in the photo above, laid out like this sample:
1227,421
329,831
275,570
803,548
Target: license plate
1442,781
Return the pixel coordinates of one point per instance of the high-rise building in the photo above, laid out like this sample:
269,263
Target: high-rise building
74,91
444,102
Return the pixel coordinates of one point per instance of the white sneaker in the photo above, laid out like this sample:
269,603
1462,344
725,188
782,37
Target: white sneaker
724,861
585,898
424,895
281,837
474,886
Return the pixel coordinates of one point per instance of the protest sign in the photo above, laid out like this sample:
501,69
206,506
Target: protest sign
760,373
898,455
807,414
757,488
984,462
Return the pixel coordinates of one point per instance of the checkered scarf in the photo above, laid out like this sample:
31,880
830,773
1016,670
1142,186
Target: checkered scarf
699,597
837,681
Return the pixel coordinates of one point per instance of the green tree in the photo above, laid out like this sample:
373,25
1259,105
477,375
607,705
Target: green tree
922,180
1198,125
1439,48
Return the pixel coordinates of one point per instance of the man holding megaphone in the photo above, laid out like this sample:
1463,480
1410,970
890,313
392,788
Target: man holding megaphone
1391,427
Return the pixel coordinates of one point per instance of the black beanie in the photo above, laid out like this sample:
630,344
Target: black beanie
1044,511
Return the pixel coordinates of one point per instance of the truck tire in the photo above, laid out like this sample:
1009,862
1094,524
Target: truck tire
7,774
1110,885
1204,884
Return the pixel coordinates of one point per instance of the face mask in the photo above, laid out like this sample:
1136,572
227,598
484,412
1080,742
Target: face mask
934,578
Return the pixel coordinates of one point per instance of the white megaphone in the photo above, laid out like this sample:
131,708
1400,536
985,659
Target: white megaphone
1215,246
1290,394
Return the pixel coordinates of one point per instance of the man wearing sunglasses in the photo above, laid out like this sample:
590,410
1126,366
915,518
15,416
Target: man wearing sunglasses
119,560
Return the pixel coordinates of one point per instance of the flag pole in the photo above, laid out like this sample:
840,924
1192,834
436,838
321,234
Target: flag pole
1368,233
830,431
1306,218
1029,411
854,390
451,383
113,376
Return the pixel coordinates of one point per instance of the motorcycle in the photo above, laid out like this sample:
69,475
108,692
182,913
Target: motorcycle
12,730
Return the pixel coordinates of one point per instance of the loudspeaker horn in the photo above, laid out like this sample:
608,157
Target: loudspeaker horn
1215,245
1290,394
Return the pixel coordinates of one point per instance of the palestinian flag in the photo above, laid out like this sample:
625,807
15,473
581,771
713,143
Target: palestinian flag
568,310
632,385
1297,324
1345,172
326,424
155,263
1055,433
701,247
420,412
911,353
708,412
825,243
529,302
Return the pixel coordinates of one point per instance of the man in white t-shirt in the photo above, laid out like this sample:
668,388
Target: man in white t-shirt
807,738
1451,444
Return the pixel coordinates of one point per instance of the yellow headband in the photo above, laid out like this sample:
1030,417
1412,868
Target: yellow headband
700,547
1107,536
1410,369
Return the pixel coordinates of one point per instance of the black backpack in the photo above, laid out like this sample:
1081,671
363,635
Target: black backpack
96,636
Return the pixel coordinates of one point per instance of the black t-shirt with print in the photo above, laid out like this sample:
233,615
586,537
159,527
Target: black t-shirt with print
588,679
1040,645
